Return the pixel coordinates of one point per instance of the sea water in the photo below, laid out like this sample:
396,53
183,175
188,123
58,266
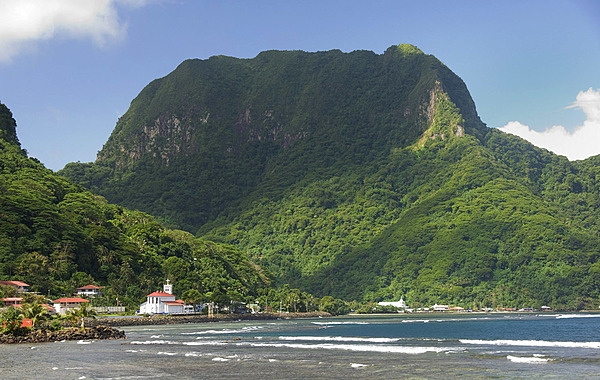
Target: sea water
560,346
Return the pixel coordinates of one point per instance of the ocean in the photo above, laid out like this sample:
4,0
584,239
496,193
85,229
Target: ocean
417,346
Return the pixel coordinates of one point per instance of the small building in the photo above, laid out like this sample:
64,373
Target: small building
63,305
437,307
397,304
89,290
20,285
12,301
162,302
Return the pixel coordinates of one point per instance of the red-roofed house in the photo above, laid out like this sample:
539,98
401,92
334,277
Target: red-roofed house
162,302
13,301
89,290
20,285
62,305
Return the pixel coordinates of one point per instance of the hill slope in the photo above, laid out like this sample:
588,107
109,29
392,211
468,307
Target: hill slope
57,236
361,175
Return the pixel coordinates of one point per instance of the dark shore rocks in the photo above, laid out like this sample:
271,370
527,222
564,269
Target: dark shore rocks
198,318
41,336
104,328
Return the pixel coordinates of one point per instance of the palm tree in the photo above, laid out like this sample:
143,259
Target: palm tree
34,311
84,311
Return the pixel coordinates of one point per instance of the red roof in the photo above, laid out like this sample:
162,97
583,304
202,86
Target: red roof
160,294
14,283
49,308
12,299
71,300
174,303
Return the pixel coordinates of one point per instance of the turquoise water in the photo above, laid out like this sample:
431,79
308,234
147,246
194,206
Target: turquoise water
386,347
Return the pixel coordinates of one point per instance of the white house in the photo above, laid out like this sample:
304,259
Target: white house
62,305
89,290
398,304
437,307
162,302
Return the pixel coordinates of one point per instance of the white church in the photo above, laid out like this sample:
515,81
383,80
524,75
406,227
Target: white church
398,304
162,302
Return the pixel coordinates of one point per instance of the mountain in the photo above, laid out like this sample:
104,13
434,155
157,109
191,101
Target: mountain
363,176
57,236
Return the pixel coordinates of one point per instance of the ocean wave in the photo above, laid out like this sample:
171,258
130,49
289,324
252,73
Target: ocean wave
204,343
339,339
531,343
225,331
339,323
152,342
357,347
569,316
535,359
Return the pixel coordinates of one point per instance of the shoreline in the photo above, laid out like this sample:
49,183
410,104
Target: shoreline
100,332
197,318
105,328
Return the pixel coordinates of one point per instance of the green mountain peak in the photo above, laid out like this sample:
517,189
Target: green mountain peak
359,175
8,126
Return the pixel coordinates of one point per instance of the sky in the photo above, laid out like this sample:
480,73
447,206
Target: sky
70,68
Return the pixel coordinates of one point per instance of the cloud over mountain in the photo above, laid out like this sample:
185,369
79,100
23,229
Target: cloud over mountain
26,22
582,143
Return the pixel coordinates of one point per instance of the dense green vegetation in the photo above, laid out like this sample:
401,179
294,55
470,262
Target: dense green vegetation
360,176
57,236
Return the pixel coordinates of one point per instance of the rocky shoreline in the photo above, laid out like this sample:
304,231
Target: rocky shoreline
197,318
43,336
104,328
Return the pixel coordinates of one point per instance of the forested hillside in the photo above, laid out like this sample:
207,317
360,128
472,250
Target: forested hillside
368,177
57,236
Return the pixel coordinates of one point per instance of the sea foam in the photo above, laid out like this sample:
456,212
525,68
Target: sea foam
532,359
357,347
532,343
339,339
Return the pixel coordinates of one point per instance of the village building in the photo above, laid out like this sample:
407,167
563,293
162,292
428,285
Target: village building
162,302
63,305
12,301
397,304
437,307
20,285
89,290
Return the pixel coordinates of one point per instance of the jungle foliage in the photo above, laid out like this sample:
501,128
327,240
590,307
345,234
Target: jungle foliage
360,176
57,236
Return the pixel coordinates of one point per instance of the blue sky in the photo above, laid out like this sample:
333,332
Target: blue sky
70,68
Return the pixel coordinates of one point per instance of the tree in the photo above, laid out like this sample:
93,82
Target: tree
34,311
12,319
79,314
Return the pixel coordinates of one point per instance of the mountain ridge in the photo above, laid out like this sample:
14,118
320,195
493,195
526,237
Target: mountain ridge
359,175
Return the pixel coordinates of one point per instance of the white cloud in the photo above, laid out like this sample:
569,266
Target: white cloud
582,143
25,22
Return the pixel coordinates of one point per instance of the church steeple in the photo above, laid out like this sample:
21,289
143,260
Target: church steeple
168,288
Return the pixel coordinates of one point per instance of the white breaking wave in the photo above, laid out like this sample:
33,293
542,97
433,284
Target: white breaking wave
533,360
204,343
339,339
339,323
569,316
225,331
152,342
532,343
357,347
